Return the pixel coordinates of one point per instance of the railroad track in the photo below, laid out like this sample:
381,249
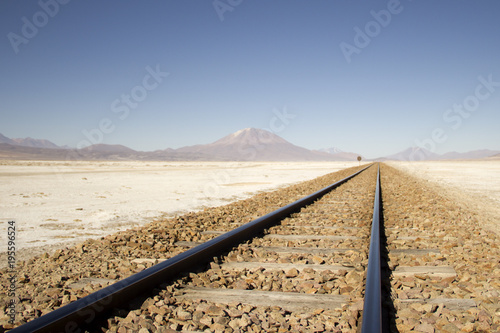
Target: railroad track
303,267
443,269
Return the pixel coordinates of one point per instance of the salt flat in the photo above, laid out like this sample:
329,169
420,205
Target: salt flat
60,203
474,183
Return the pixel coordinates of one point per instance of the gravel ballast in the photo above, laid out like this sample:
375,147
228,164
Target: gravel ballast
460,292
47,282
416,217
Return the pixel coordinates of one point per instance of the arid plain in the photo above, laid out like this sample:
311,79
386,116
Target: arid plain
56,204
474,184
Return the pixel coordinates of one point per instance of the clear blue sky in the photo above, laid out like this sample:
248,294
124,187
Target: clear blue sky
234,66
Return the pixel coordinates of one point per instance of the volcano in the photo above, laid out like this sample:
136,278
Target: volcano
252,144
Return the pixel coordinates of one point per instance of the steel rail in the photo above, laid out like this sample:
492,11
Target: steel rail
83,312
372,309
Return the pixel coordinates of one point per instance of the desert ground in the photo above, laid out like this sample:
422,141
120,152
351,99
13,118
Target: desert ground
60,203
57,204
475,184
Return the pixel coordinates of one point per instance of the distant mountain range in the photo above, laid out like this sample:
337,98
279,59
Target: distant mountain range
29,142
249,144
422,154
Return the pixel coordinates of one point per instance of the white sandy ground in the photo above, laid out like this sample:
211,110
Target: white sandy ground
55,204
475,184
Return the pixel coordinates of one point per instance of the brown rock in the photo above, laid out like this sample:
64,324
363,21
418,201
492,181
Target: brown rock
408,313
346,290
240,284
291,273
217,328
468,327
318,260
184,315
221,320
234,313
153,309
206,320
449,328
427,328
484,317
159,319
215,311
